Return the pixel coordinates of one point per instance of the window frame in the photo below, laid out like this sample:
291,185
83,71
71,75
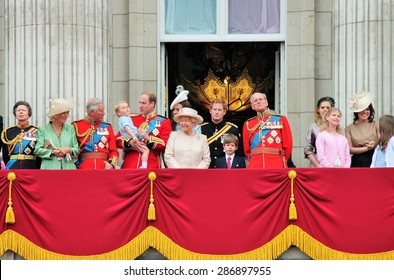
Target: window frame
222,35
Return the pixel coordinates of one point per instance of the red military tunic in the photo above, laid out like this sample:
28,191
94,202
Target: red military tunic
159,129
97,143
267,140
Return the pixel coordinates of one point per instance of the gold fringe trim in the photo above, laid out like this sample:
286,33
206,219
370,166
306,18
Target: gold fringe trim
292,235
10,215
152,237
172,251
151,209
292,209
318,251
11,240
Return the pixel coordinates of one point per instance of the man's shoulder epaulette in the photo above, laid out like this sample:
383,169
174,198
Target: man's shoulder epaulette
203,124
77,121
10,127
277,115
162,117
252,118
232,124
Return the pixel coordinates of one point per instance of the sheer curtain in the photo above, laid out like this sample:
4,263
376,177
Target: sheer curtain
190,16
254,16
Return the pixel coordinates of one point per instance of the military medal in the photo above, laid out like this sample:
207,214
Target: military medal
155,132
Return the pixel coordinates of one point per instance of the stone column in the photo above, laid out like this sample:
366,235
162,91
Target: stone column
363,56
55,49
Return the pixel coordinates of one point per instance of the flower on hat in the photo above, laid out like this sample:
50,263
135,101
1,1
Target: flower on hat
181,96
360,101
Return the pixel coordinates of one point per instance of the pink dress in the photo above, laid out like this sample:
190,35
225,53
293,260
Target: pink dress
332,150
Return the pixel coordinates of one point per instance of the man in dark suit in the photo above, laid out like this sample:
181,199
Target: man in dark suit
230,160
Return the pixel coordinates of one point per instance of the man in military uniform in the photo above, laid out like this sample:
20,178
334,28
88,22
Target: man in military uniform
153,128
96,139
217,128
267,137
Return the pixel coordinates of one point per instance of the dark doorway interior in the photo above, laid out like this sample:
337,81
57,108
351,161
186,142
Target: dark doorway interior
190,64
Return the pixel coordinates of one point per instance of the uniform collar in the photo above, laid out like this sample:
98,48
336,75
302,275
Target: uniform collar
89,120
219,123
264,114
150,115
23,126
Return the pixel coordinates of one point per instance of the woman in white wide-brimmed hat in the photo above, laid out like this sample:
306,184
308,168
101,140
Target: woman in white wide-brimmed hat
56,141
186,148
362,134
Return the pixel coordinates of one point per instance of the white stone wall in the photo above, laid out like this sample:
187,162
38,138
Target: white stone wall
2,92
309,65
363,53
133,55
54,49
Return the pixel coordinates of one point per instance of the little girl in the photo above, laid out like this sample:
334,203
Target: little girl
384,152
331,145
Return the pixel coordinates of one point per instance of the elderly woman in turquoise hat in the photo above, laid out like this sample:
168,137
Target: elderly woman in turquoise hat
362,134
56,142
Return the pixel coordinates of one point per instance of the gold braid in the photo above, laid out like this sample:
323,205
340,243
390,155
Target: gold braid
86,135
12,143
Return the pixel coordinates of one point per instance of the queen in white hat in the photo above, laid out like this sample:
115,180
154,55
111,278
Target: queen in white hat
186,148
56,142
362,134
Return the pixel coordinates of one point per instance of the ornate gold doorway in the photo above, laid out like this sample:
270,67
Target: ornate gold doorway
232,71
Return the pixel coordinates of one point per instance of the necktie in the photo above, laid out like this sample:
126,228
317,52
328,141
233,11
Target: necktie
229,162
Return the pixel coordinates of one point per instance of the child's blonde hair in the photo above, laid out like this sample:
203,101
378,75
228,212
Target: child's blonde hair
325,121
118,105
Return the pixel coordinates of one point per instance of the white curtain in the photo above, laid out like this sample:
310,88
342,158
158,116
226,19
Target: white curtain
254,16
190,16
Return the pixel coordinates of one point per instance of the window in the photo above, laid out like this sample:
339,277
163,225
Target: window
221,18
254,16
190,17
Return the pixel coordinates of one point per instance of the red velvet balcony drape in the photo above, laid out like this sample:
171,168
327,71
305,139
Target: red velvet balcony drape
200,214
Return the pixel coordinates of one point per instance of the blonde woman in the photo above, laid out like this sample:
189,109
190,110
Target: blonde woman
56,141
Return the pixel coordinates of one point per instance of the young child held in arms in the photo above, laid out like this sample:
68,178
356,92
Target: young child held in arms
383,155
230,160
128,129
